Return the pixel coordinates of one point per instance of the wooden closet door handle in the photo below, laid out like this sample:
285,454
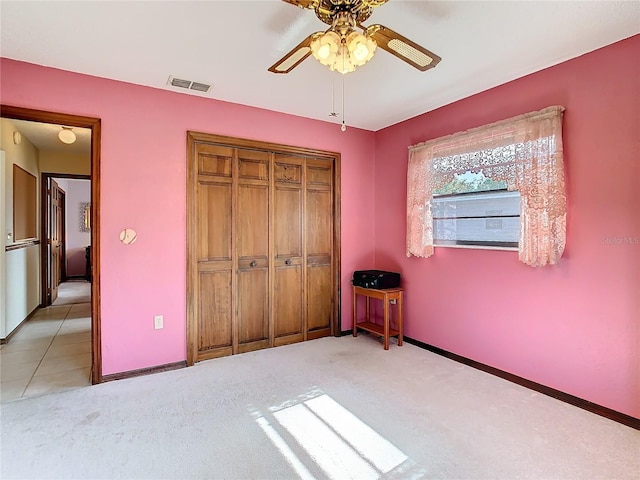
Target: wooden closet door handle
287,261
253,264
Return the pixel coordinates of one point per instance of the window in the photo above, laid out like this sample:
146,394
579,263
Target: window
473,210
475,186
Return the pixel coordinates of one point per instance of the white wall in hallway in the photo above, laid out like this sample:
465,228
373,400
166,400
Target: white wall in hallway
21,287
3,270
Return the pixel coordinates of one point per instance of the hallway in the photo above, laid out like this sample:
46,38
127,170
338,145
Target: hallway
51,352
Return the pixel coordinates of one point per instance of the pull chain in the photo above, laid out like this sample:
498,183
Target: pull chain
344,126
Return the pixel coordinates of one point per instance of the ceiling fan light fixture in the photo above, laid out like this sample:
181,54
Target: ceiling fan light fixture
325,47
66,135
343,63
361,48
343,48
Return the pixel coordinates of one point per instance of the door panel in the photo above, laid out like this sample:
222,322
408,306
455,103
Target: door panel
319,240
319,307
289,268
319,222
253,221
214,221
286,171
288,302
252,241
214,328
319,174
288,223
253,165
214,160
253,321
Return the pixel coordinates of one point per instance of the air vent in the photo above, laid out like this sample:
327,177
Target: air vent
201,87
188,84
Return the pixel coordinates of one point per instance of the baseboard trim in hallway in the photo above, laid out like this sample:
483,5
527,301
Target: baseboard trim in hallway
5,341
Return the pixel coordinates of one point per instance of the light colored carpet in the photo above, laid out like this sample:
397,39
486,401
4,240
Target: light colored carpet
73,291
329,408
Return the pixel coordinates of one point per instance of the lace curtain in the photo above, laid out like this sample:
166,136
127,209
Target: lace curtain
525,152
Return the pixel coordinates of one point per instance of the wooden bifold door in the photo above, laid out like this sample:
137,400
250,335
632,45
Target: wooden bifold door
263,245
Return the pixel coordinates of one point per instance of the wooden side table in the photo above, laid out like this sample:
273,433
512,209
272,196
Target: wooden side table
384,330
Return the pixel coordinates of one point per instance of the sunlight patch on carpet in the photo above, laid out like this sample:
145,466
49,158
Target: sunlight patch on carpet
337,441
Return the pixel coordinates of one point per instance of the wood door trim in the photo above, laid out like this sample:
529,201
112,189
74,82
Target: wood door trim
336,326
93,123
63,251
305,253
194,138
248,144
271,248
192,267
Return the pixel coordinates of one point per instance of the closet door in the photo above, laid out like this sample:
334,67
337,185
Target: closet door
211,334
319,247
289,269
262,245
252,244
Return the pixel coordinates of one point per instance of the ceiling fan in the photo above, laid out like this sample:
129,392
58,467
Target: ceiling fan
342,48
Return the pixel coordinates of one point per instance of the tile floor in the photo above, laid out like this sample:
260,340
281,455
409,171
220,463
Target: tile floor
50,353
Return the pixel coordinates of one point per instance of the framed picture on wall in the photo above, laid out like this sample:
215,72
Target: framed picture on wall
85,217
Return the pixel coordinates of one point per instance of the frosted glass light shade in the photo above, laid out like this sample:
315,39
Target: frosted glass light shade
342,54
325,47
342,62
66,135
361,48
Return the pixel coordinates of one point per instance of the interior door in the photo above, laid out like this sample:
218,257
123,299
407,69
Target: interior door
252,243
56,237
289,268
213,249
319,241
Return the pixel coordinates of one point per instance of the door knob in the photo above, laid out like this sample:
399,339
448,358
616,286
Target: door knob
253,264
287,261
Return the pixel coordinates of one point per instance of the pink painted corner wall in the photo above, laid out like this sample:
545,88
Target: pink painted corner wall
143,186
575,326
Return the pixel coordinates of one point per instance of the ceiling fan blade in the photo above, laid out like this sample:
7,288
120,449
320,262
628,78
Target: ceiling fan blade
403,48
303,3
292,59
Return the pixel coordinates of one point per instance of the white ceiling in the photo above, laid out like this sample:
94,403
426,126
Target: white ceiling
230,44
45,137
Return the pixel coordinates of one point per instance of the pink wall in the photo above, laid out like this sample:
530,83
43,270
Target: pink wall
143,187
575,326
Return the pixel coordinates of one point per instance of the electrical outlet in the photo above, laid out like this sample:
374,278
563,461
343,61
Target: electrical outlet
158,322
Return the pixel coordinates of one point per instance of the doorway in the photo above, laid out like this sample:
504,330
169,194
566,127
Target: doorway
65,232
18,113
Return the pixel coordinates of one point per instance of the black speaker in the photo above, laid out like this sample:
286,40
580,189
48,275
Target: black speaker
378,279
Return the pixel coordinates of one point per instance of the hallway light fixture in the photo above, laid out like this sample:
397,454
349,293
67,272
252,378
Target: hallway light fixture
67,136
